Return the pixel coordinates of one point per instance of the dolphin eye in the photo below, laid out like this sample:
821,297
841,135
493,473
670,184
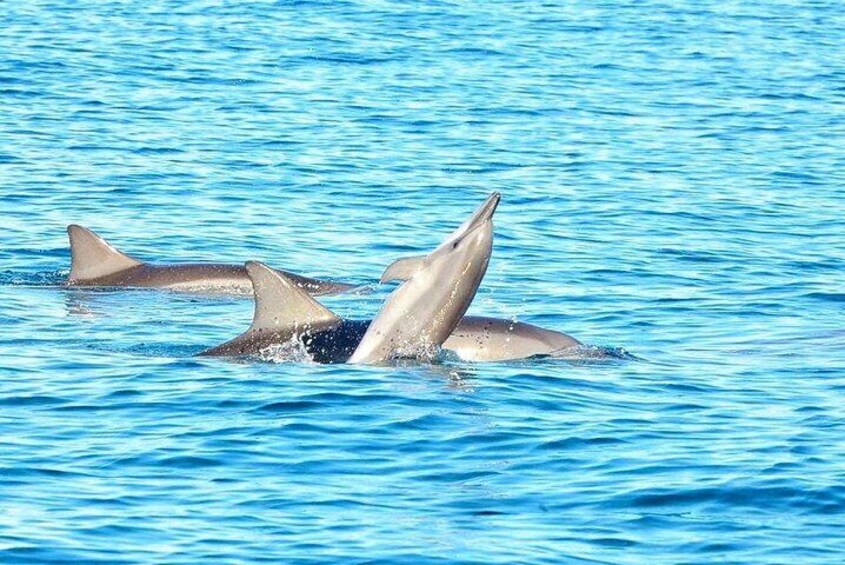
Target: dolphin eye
455,245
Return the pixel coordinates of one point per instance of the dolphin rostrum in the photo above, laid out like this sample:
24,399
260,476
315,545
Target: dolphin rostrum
94,262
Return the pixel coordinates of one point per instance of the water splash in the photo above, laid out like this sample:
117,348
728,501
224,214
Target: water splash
291,351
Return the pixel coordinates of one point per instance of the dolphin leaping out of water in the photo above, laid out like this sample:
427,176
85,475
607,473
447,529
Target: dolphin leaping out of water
95,262
422,314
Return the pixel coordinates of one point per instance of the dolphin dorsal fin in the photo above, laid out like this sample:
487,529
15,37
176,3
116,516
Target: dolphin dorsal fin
92,257
281,304
402,269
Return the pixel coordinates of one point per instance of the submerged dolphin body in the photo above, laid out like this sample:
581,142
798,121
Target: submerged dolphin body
94,262
285,314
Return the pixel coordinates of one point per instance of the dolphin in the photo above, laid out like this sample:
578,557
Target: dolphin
478,338
95,262
421,314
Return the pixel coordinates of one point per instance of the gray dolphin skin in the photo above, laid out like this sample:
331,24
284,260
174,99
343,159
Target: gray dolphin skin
478,338
421,314
96,263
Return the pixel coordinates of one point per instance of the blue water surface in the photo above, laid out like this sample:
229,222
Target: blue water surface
673,179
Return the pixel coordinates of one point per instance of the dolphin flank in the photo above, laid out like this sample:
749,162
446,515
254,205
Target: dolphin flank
95,262
477,338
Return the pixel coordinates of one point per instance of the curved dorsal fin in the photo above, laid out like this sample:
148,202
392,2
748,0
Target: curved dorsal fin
402,269
281,304
92,257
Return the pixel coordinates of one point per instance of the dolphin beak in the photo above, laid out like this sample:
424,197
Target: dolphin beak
484,212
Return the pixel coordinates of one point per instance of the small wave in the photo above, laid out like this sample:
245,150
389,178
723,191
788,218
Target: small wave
823,501
30,278
827,296
190,462
594,353
291,406
37,400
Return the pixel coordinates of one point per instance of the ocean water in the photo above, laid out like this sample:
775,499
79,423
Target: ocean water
673,180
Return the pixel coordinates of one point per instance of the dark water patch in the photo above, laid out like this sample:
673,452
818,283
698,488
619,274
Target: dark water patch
694,256
20,93
427,421
687,387
292,406
31,401
39,472
27,555
112,530
304,427
460,477
579,443
763,498
190,462
143,406
344,59
685,407
124,393
614,543
718,547
827,296
475,52
29,278
232,403
8,159
157,150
